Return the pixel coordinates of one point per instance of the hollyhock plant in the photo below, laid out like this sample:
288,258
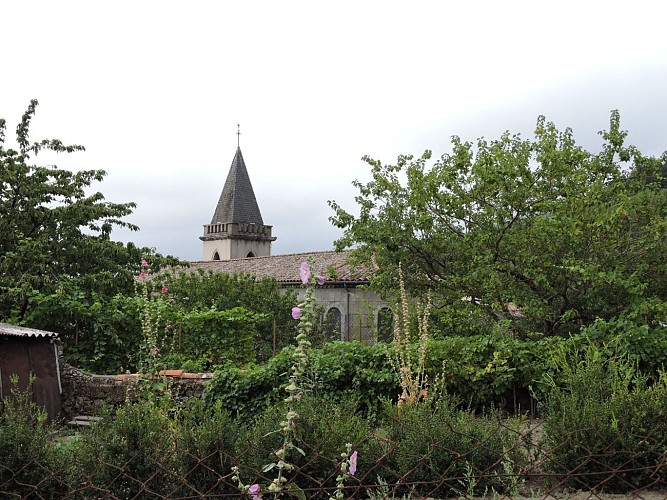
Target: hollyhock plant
305,313
348,468
304,272
254,492
353,463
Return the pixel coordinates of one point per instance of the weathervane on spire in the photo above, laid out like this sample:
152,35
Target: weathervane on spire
238,135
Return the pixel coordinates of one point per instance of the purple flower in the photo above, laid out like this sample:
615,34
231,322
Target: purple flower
353,463
296,312
254,491
320,280
304,272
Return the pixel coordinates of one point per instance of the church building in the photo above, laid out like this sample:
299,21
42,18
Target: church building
238,241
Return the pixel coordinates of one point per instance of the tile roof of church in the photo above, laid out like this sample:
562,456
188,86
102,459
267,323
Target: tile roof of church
334,266
237,201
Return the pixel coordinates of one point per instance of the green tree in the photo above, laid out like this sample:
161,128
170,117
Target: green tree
59,269
238,307
540,234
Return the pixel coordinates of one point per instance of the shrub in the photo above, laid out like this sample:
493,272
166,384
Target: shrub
439,450
205,443
196,294
605,428
246,392
357,372
323,428
25,447
129,452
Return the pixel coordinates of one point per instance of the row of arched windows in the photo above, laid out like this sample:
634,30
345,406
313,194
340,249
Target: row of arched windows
216,255
385,324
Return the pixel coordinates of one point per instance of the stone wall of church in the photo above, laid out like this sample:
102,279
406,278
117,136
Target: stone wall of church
358,310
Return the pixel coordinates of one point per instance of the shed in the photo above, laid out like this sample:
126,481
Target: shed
25,351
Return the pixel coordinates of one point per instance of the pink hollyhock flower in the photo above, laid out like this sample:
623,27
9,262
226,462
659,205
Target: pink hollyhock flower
304,272
165,289
353,463
144,263
254,492
296,312
320,280
142,275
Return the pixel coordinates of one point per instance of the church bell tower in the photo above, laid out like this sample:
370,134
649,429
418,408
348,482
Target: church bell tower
237,230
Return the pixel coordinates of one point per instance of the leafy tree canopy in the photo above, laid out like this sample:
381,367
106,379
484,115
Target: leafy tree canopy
55,246
197,298
540,234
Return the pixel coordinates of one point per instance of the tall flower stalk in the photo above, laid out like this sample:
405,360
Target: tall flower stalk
411,372
153,342
305,314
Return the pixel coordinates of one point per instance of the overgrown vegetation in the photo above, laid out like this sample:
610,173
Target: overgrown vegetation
607,423
24,441
158,447
59,268
481,372
534,236
546,268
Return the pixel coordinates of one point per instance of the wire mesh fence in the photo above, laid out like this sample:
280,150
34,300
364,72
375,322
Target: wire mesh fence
407,459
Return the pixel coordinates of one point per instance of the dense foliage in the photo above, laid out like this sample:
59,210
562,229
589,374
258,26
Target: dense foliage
158,448
60,271
59,268
600,393
212,310
198,320
607,423
541,233
479,371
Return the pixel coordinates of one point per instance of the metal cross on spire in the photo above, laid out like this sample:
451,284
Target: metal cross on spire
238,135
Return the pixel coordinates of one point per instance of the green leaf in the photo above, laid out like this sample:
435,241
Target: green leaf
293,490
300,450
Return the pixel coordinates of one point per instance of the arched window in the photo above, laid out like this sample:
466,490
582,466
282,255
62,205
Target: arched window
250,254
385,325
332,324
216,255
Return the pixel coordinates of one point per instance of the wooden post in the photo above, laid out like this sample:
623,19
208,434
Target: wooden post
180,337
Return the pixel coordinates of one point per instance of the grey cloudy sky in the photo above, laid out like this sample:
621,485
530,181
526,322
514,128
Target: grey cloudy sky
154,91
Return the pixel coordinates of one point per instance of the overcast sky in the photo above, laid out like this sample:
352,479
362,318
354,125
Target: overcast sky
154,91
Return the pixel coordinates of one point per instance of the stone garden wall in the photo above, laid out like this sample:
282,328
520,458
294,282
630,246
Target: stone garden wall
85,394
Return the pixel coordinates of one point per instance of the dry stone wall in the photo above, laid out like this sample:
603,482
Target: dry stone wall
86,394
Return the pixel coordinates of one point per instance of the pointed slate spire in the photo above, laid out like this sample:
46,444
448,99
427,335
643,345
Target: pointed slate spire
237,201
237,230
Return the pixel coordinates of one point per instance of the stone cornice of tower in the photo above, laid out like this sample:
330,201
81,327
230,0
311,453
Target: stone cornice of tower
237,231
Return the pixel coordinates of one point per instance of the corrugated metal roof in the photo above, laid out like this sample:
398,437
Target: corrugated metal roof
334,266
22,331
